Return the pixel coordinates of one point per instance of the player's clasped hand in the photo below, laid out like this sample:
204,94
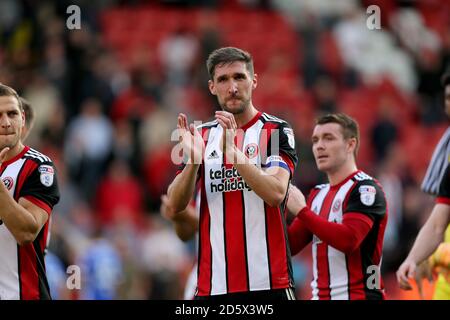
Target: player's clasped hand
296,200
228,123
191,140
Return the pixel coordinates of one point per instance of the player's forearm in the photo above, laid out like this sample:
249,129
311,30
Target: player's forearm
299,236
21,223
267,186
431,234
186,227
185,223
182,188
346,236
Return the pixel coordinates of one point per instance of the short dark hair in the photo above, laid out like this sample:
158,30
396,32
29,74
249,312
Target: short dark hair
350,128
445,80
228,55
29,113
6,91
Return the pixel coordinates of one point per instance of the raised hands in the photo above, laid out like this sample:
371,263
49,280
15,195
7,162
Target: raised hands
296,200
228,123
192,142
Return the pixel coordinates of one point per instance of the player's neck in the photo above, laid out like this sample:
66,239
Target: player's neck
243,118
337,176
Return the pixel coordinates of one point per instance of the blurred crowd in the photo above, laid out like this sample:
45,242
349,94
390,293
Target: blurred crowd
106,99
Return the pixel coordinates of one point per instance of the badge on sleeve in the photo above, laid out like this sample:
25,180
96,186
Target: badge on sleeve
290,134
47,174
367,194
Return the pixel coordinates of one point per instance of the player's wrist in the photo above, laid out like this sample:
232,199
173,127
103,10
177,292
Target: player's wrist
232,154
302,209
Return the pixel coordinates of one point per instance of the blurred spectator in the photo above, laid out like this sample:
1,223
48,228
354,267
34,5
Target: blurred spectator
390,175
125,145
57,277
45,99
164,256
385,131
366,51
101,270
119,197
88,144
53,132
412,31
415,203
156,129
429,70
325,95
159,171
177,53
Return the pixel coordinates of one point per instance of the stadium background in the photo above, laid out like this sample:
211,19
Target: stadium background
106,99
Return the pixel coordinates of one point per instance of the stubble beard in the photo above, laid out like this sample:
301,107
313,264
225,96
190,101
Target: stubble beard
241,108
9,145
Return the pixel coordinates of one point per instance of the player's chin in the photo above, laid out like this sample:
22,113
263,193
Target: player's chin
234,108
5,143
322,165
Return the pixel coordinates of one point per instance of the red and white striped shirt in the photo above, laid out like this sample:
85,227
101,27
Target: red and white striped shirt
30,175
242,240
348,221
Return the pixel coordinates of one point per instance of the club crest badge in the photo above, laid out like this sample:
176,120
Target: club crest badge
251,150
47,173
8,182
337,205
367,194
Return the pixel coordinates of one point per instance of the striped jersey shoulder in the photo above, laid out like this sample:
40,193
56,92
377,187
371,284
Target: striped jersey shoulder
208,125
265,117
362,176
36,156
321,186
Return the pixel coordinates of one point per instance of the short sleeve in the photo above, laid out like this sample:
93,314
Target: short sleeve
444,188
366,197
282,154
41,187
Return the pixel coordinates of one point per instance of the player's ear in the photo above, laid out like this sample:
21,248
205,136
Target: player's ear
255,81
351,143
211,87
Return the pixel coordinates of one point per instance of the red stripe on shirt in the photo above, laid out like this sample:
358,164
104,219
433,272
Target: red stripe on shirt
277,248
28,274
234,222
236,256
28,167
354,265
355,276
443,200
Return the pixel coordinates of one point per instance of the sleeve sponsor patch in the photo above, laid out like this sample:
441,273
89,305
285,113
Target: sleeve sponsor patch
367,194
274,159
290,134
46,175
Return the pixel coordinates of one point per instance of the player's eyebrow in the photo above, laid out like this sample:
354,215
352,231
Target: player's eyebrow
222,77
